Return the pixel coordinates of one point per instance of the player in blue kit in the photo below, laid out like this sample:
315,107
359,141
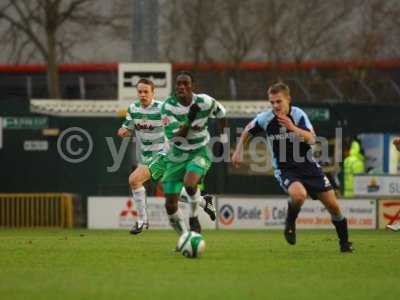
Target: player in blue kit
289,134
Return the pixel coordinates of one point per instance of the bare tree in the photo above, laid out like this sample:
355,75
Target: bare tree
275,19
377,32
48,29
303,29
171,30
187,29
237,32
392,30
234,31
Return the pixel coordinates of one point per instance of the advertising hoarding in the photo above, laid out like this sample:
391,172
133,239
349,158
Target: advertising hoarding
130,73
120,213
256,213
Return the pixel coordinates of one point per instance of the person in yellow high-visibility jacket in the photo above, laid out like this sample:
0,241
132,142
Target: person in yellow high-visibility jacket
353,164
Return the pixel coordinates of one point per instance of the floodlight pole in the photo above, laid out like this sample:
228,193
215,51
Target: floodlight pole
145,31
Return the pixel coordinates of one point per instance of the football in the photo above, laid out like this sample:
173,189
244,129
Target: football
191,244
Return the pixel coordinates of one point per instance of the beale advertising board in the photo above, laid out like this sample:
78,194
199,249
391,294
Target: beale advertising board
256,213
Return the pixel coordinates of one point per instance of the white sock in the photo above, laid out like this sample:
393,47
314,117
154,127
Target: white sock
139,197
177,223
185,198
194,203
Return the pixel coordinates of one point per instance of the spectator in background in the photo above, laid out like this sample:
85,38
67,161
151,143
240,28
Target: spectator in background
353,164
395,226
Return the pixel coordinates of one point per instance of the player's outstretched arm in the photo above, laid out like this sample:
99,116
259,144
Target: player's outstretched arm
127,126
237,156
124,132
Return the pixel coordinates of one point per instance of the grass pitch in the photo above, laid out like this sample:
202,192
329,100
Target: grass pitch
88,264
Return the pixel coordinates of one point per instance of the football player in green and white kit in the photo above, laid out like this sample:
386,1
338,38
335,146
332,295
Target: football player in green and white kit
144,118
185,116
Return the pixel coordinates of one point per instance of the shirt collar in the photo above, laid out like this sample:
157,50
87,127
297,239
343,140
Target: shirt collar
149,106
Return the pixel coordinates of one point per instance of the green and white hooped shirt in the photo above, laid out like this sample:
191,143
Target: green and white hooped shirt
148,128
174,114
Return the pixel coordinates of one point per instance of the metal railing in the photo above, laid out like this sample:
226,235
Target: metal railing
36,210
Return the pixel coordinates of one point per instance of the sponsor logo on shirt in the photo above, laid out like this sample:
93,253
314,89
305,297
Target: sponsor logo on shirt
144,125
282,136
